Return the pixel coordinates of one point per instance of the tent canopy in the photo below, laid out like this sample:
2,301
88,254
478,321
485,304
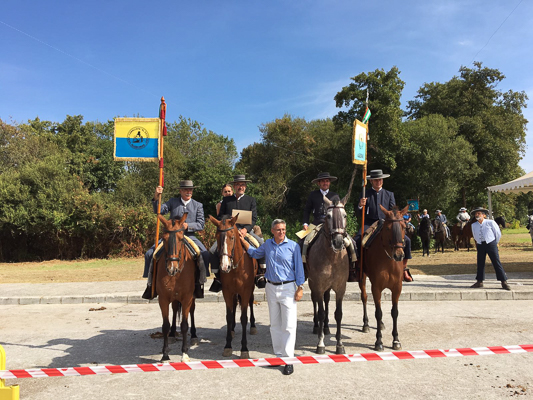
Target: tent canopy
524,184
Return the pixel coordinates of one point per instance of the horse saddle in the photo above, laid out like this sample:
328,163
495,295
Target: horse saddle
371,233
309,239
191,247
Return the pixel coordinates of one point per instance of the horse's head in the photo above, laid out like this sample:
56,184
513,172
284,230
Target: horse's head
227,236
173,232
394,231
335,222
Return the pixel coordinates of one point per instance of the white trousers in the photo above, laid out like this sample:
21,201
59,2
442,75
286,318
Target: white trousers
283,318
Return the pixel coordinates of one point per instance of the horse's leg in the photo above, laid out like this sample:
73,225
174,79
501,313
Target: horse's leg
327,296
376,293
244,323
186,308
315,317
396,345
230,318
338,318
234,323
253,329
318,298
194,338
175,310
164,306
364,298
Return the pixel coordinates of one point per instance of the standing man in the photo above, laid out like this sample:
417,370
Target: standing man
285,279
315,201
487,234
377,196
177,206
237,201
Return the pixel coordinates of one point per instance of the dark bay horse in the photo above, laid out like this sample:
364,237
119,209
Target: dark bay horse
501,221
384,267
328,267
440,234
424,231
237,276
461,237
175,280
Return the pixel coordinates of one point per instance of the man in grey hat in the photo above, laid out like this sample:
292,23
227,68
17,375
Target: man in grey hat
375,197
315,200
239,201
487,234
177,206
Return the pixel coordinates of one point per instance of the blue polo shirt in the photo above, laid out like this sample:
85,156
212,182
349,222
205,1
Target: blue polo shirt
283,261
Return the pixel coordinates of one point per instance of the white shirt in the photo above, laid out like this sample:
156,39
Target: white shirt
186,202
488,231
324,192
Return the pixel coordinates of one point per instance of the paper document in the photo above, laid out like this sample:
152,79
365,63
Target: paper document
301,234
245,217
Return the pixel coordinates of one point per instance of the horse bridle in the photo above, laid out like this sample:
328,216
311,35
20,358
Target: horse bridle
341,231
391,245
172,244
231,256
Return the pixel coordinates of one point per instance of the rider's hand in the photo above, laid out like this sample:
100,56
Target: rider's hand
305,227
158,191
185,225
362,202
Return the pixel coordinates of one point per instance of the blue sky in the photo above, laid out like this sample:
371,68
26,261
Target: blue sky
233,65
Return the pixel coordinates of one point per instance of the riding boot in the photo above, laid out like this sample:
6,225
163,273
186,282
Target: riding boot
216,286
353,273
407,277
260,280
148,293
199,290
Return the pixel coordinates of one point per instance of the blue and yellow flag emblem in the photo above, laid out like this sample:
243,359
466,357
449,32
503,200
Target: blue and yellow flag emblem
137,139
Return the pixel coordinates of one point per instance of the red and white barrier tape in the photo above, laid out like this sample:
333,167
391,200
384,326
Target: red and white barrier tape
263,362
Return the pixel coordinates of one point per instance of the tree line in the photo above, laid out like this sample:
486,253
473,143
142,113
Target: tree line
63,196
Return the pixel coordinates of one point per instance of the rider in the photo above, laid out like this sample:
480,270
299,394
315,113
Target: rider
195,221
238,201
378,196
463,217
315,206
442,218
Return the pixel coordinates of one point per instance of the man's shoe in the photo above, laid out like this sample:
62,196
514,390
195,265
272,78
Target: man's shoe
260,281
505,285
289,369
147,293
407,276
199,291
479,284
216,286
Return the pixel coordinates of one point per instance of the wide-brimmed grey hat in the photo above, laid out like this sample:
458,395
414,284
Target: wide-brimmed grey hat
475,210
462,209
324,175
187,184
377,174
240,178
438,211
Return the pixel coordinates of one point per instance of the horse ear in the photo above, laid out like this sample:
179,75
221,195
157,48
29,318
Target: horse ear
344,200
183,218
327,201
162,219
214,221
234,219
405,210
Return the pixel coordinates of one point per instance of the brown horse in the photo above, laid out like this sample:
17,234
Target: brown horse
461,237
175,279
440,234
328,266
237,276
384,267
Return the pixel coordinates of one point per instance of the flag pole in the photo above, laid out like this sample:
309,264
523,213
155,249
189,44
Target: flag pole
364,191
162,133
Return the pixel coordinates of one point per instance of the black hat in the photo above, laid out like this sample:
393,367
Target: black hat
377,174
483,210
240,178
187,184
324,175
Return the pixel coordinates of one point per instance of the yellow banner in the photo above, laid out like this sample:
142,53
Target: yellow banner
137,139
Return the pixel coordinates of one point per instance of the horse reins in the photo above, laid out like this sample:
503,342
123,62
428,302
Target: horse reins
172,249
393,246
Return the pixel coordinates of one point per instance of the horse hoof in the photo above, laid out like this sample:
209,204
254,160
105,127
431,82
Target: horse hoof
340,350
228,352
326,331
378,347
185,358
233,334
245,355
315,330
194,341
253,330
320,350
396,345
382,326
365,329
165,358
